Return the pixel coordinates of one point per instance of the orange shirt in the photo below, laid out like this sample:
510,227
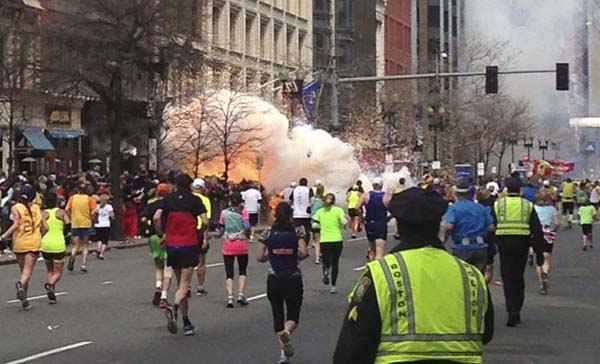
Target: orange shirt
28,237
81,208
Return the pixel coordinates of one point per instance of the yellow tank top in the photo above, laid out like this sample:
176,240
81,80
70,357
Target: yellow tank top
28,237
353,199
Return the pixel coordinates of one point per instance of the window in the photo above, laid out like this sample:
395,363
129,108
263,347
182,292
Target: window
215,26
264,32
301,40
319,41
250,34
433,14
234,43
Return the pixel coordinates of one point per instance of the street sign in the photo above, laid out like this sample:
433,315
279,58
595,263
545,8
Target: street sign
480,169
494,170
436,165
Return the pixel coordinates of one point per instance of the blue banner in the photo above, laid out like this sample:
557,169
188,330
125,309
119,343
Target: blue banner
309,100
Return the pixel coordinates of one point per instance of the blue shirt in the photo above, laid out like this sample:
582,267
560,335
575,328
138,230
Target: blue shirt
470,220
529,192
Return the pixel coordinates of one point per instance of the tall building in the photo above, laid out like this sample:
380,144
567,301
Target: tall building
255,41
355,49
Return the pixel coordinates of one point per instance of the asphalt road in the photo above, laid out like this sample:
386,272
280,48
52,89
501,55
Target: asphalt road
107,315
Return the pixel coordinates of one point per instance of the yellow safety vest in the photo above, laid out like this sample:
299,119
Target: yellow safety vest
432,306
512,215
206,202
568,192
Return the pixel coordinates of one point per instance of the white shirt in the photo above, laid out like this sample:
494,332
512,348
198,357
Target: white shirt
251,198
104,216
594,198
301,202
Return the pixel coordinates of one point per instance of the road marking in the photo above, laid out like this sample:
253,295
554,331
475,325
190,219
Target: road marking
106,283
214,265
50,352
360,268
37,297
257,297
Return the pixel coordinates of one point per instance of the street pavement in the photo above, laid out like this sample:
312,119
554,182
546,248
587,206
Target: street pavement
105,316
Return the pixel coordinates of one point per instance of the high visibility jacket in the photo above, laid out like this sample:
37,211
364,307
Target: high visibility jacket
207,205
512,215
432,306
568,192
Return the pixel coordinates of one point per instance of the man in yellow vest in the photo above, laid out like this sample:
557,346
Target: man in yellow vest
419,303
567,197
517,228
199,190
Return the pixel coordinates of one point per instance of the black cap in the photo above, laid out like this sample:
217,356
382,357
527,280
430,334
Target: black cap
27,193
513,184
416,206
463,186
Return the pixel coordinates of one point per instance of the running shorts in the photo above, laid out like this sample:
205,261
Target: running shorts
376,231
102,235
81,232
568,207
353,212
587,229
54,257
181,258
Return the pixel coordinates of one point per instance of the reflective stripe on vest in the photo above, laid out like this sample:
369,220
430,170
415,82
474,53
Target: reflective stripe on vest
512,215
415,290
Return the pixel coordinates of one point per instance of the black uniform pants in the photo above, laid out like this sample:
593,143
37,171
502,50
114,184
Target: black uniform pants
513,260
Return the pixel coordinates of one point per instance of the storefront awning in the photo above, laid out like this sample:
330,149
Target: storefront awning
37,139
65,133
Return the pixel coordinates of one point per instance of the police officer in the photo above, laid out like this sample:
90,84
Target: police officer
455,312
517,228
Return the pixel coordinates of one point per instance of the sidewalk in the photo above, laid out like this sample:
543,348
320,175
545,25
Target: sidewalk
10,259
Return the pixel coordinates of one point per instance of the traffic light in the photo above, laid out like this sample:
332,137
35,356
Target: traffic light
491,80
562,76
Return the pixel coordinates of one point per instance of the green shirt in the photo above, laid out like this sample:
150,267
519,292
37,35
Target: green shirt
332,221
54,239
586,214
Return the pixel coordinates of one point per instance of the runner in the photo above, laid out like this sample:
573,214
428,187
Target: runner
316,204
235,226
26,232
199,190
252,199
567,196
81,209
283,246
177,216
587,215
162,272
353,204
330,220
105,214
550,221
301,198
375,203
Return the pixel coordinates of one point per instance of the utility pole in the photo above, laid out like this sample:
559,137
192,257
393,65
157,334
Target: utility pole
335,118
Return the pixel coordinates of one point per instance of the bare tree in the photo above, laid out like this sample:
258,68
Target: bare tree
110,47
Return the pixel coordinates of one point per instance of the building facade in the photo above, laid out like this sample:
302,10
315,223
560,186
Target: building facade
255,42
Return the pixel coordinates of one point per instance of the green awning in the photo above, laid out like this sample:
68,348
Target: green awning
37,139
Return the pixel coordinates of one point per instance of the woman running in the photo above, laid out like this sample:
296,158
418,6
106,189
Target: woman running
315,205
26,232
330,220
236,228
550,221
105,214
54,249
283,246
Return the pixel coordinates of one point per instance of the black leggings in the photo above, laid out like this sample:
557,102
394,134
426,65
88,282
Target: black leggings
287,290
330,255
242,264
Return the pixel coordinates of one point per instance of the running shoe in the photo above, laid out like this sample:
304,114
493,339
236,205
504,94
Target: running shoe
188,329
163,304
530,260
83,269
317,261
584,248
101,257
283,360
71,264
171,314
543,290
230,302
156,298
353,236
288,348
325,279
20,291
25,305
333,290
50,293
591,246
201,292
242,300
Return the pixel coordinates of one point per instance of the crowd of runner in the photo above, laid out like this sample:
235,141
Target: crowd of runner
181,216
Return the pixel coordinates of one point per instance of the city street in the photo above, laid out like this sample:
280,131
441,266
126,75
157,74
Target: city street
106,316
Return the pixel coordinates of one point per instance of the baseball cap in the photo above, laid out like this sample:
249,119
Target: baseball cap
377,181
27,193
198,183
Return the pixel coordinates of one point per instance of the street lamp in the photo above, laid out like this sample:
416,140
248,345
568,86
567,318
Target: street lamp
543,146
528,143
512,141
